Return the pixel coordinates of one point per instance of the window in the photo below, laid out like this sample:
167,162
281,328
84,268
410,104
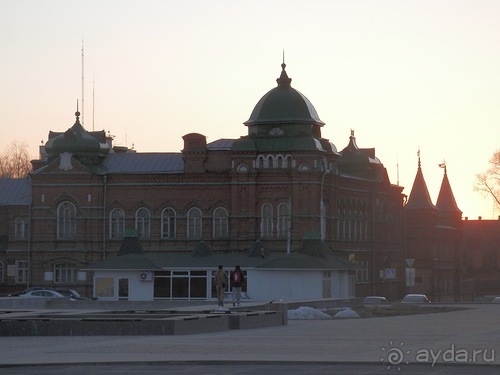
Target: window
142,223
180,284
194,221
116,224
66,223
220,223
276,132
283,220
266,225
168,223
22,271
21,228
362,275
64,273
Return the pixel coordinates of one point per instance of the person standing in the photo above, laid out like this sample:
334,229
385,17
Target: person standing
220,279
237,279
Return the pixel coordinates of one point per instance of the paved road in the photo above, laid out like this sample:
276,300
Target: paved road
248,369
468,340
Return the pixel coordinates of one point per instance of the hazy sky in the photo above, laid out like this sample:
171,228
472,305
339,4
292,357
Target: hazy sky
403,74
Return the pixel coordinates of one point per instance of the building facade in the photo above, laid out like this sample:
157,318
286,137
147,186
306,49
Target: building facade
279,190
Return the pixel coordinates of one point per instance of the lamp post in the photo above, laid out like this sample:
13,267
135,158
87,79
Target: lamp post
322,209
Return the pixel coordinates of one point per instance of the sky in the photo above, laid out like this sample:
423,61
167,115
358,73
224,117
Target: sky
404,75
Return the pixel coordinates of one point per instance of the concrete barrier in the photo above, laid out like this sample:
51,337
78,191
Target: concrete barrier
257,319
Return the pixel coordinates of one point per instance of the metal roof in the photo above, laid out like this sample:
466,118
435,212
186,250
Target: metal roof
221,144
144,163
15,192
150,262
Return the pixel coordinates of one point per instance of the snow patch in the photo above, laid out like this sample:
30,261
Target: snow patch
346,313
306,312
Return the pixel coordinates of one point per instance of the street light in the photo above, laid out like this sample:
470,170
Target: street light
322,209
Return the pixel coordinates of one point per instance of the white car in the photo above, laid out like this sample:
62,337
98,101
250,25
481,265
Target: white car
415,298
496,300
44,293
375,300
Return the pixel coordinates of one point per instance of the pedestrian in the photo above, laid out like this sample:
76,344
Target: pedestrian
237,279
220,279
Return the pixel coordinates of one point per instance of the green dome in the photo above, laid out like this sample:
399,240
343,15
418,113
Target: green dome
77,141
284,104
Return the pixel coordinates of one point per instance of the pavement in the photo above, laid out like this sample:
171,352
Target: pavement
465,337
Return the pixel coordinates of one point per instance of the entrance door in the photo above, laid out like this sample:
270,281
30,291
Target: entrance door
123,289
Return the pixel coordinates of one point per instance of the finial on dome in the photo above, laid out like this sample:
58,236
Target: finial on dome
283,80
352,133
77,113
418,154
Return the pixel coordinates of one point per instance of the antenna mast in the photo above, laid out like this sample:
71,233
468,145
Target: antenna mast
93,102
83,92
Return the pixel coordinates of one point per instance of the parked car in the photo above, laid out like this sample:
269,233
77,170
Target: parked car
72,294
496,300
415,298
43,293
30,289
375,300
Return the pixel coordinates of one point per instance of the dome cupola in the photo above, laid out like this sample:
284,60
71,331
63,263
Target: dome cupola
284,105
77,141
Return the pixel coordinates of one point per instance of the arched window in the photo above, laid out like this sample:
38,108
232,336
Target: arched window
266,224
283,220
220,223
64,273
66,221
168,224
142,222
116,224
194,221
21,228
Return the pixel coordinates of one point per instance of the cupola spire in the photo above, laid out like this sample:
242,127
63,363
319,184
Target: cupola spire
283,80
77,113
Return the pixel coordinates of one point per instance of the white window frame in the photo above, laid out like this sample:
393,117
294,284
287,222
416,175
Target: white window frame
21,228
66,221
266,223
168,223
65,273
283,222
194,223
143,223
116,224
22,272
220,223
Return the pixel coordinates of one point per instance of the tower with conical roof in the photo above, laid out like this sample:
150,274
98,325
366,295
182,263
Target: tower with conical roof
421,221
433,235
448,212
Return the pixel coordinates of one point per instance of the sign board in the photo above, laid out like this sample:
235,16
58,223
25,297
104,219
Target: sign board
410,277
390,273
410,262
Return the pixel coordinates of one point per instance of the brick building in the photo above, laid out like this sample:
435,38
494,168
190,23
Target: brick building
279,190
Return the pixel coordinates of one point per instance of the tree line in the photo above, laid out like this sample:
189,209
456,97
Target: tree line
15,161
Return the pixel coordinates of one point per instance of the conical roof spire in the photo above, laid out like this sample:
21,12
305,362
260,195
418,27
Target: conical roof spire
419,197
446,200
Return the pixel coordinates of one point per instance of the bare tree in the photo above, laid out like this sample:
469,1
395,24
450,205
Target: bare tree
15,161
488,182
